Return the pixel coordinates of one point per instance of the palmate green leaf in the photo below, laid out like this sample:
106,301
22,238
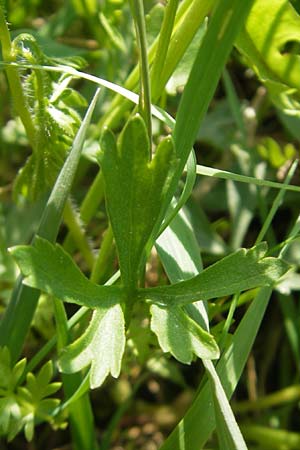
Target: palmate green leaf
135,188
101,346
271,29
49,268
242,270
180,335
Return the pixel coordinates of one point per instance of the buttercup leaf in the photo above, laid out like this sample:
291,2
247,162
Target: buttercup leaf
49,268
135,189
242,270
180,335
102,345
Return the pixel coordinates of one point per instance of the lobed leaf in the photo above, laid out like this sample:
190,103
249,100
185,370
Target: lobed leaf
135,189
49,268
242,270
101,346
180,335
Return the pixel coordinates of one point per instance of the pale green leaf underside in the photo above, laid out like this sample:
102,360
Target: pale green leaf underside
180,335
242,270
49,268
101,346
135,188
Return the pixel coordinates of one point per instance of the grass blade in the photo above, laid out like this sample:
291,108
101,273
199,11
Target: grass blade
18,315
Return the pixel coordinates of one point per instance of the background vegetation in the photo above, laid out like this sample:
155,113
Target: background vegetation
243,119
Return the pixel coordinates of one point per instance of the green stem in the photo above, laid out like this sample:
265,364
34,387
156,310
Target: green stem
289,394
73,222
162,46
103,256
276,204
18,315
271,438
90,204
138,13
14,81
183,35
81,414
192,11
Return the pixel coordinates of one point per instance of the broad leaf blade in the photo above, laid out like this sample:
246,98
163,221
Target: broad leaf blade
49,268
242,270
181,336
135,189
102,345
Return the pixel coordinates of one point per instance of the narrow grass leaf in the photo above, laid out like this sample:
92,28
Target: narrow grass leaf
224,175
186,192
19,313
197,425
229,434
178,249
242,270
180,268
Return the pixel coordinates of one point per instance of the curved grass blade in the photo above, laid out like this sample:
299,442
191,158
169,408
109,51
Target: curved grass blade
18,315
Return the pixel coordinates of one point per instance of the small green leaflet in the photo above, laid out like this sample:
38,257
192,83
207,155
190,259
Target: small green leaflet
135,190
242,270
181,336
49,268
101,346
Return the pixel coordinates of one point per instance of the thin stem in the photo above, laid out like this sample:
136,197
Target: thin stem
162,46
138,13
90,204
276,204
103,256
73,222
14,81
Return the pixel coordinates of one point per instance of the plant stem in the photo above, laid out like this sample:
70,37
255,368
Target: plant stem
90,204
18,315
14,81
145,91
191,11
73,222
162,46
81,414
103,256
